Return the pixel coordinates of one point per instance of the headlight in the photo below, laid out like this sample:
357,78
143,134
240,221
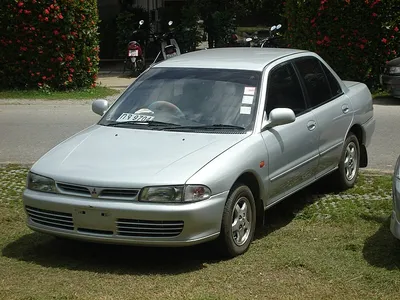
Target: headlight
394,70
175,194
40,183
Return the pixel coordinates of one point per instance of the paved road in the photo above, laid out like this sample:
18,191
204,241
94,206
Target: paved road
28,131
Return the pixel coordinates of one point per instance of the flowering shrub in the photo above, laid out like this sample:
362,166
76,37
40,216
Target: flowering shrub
48,44
356,37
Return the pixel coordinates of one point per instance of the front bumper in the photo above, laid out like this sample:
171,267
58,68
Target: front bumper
122,222
395,219
391,83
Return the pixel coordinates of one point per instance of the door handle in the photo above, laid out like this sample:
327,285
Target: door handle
311,125
345,108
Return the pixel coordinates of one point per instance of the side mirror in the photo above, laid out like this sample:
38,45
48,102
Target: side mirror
249,39
100,106
170,23
141,22
279,116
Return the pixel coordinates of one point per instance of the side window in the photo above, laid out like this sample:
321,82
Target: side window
314,78
284,90
333,83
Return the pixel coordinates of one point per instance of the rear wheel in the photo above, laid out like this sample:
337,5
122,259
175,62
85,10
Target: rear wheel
238,222
349,164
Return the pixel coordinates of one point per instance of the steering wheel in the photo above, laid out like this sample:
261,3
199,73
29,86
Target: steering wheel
167,107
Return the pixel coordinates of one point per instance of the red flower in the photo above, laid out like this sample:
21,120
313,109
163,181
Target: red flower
313,21
44,77
27,12
20,11
59,59
71,70
64,37
374,15
33,1
20,4
52,6
56,32
362,46
319,42
60,16
40,84
327,39
384,40
23,48
46,11
46,19
396,29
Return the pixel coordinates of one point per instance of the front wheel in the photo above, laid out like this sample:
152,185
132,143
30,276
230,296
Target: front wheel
238,222
349,164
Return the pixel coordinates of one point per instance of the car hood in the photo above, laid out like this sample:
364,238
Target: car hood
124,157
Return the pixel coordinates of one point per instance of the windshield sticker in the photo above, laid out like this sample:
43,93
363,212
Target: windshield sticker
247,99
144,111
126,117
245,110
249,90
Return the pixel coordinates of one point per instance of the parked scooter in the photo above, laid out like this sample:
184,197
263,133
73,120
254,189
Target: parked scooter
135,60
168,45
268,42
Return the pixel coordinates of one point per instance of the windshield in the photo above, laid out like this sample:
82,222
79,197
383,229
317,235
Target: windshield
191,97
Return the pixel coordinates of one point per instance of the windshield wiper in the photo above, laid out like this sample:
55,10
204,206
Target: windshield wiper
143,123
212,127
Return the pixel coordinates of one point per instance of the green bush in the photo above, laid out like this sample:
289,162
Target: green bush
127,22
48,44
355,37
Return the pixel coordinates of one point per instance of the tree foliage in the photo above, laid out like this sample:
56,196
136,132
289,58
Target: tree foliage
48,44
355,37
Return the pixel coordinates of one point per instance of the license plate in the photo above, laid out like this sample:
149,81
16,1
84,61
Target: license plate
95,219
133,53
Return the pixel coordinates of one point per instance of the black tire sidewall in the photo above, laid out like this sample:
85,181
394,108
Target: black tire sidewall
228,246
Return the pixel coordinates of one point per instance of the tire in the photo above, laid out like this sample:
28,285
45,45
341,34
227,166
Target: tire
232,240
349,164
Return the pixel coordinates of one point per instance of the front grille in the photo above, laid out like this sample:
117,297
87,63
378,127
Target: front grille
74,189
145,228
50,218
119,193
106,193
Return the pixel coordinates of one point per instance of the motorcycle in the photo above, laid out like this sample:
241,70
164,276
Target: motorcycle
168,45
135,60
269,42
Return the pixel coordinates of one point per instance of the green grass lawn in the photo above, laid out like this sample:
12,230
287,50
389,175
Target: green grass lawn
315,245
97,92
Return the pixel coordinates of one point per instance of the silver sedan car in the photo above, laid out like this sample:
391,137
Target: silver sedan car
199,146
395,220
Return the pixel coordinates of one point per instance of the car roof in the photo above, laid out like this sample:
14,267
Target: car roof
239,58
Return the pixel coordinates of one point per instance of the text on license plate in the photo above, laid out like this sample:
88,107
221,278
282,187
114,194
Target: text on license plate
133,53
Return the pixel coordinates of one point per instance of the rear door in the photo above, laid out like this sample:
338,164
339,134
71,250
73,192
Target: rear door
331,107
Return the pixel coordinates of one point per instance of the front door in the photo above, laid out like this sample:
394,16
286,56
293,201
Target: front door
292,148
